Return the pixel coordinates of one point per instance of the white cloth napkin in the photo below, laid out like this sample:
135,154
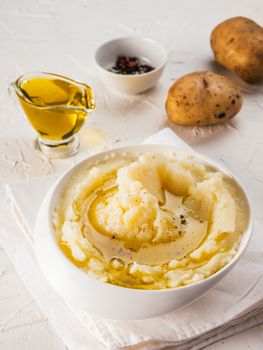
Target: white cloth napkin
234,305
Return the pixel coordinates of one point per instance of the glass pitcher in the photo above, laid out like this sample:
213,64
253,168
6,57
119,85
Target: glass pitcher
56,107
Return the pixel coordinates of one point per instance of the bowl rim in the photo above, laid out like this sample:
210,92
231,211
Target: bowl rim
129,76
246,235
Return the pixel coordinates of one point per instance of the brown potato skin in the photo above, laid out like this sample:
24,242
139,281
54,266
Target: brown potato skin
203,98
237,44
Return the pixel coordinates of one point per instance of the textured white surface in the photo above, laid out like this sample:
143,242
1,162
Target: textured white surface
61,36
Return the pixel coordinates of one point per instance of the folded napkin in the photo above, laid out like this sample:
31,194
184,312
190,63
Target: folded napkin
234,305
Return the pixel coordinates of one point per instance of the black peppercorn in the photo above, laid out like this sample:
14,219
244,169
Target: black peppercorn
130,66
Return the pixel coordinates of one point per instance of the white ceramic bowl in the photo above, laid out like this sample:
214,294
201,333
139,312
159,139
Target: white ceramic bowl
149,50
107,300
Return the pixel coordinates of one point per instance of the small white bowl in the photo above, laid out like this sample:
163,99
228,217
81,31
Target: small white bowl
146,49
108,300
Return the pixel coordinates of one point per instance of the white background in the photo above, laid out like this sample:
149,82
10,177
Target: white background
61,36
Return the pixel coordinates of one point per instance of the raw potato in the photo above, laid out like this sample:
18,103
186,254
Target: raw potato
237,44
203,98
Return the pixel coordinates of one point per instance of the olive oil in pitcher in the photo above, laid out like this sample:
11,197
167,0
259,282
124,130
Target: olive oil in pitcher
56,107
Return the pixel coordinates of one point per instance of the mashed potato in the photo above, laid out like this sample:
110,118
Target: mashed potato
153,221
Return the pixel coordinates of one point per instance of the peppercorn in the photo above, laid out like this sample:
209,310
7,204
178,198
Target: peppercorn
130,66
